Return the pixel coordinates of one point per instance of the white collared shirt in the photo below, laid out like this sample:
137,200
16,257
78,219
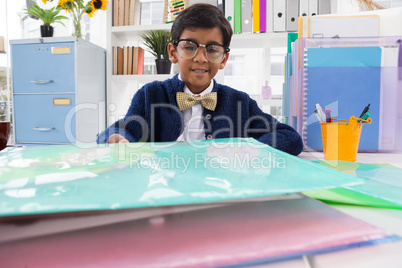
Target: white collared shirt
193,117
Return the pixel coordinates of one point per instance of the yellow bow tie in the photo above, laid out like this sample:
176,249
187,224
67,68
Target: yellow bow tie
185,100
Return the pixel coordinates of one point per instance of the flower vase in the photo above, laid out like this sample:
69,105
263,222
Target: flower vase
77,26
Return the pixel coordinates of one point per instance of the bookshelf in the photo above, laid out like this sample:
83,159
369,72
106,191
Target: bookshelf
121,88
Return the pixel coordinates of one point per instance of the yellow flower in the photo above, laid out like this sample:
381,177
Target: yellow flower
44,1
91,12
66,4
99,4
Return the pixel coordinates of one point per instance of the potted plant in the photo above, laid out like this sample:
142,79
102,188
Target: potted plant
157,41
48,16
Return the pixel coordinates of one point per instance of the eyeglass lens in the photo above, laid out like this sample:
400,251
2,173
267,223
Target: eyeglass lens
188,49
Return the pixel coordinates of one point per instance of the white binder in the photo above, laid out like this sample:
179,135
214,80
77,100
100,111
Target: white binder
292,13
312,7
270,16
229,12
246,16
279,15
303,8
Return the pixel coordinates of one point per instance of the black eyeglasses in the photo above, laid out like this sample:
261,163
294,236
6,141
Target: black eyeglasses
187,49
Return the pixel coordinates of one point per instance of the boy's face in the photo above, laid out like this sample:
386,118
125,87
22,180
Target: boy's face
198,71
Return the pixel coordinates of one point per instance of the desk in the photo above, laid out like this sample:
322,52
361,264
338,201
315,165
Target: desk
369,158
388,255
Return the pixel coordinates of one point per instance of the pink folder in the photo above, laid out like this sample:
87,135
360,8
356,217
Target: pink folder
235,234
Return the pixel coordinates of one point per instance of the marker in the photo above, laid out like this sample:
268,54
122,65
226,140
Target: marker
317,115
320,112
365,110
328,115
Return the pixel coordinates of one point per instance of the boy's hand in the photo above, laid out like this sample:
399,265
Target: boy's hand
117,138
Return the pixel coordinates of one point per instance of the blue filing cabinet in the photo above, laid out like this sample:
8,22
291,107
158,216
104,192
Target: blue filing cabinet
59,89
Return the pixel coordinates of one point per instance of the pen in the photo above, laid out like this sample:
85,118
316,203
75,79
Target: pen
320,112
328,115
365,110
364,117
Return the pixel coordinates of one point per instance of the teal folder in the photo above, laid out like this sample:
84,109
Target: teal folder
344,79
56,179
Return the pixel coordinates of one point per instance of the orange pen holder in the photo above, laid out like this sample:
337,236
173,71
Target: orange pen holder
341,139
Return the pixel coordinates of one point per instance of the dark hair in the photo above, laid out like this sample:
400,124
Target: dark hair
202,16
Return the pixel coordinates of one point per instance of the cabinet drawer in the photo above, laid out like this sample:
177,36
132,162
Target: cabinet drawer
46,118
44,67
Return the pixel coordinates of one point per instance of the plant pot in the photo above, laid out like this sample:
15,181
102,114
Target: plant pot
46,31
163,66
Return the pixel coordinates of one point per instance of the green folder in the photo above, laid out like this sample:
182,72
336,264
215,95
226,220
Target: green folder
237,16
382,187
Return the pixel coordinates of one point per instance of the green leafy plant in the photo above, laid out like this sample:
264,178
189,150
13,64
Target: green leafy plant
48,16
157,41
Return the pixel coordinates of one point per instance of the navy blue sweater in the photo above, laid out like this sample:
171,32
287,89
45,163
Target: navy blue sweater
153,116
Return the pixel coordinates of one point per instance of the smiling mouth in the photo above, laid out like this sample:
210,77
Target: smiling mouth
199,71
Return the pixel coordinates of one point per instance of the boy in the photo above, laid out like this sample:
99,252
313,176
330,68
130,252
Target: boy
173,110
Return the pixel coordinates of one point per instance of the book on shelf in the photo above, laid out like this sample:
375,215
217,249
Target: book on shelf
125,60
126,12
135,60
121,13
140,65
115,56
132,10
120,60
115,13
128,60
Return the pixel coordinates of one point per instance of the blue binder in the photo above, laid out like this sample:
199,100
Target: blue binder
344,79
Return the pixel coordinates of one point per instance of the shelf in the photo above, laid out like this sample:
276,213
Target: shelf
132,33
142,78
249,40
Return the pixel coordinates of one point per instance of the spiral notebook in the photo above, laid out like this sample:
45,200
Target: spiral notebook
344,79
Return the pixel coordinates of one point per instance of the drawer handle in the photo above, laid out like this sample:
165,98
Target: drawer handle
43,129
41,81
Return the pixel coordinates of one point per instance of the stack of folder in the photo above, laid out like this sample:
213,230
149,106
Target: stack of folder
208,203
345,74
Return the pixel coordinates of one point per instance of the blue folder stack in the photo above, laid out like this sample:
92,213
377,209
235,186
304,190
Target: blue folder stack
345,75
